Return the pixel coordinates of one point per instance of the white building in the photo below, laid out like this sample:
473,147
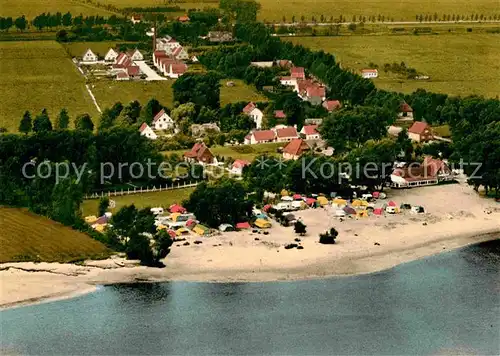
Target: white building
175,70
89,56
147,131
167,44
135,19
135,55
369,73
162,121
255,114
111,55
310,132
179,53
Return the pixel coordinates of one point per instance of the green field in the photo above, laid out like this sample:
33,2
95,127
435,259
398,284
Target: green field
32,8
196,4
28,237
457,64
155,199
401,10
37,75
240,92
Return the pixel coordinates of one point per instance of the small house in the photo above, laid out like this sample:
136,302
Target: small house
135,55
135,19
184,18
286,134
219,36
405,112
310,132
200,154
260,136
133,71
162,121
420,132
295,148
180,53
288,81
298,73
176,70
111,56
332,105
238,166
147,131
315,94
89,56
279,114
167,44
369,73
254,113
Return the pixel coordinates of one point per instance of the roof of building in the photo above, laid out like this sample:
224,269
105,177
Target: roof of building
178,68
316,91
177,51
296,147
159,115
264,135
133,70
279,114
369,71
143,127
297,72
240,163
160,54
184,18
418,127
311,129
287,132
198,150
331,105
249,108
404,107
284,63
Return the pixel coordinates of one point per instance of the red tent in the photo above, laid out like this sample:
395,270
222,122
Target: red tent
310,201
267,207
190,223
172,234
297,197
391,203
350,211
243,225
177,209
378,211
376,194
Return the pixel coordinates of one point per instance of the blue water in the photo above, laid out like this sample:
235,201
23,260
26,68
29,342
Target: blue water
446,304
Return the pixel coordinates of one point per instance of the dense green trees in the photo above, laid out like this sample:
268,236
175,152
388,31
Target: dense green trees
26,125
84,122
200,89
62,121
42,122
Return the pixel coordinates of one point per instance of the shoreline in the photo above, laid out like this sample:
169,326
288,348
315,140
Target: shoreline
266,276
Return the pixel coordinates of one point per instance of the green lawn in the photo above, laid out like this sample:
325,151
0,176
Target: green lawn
37,75
195,4
32,8
240,92
155,199
457,64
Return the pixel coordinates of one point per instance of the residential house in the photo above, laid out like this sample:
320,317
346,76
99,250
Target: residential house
254,113
295,148
298,73
180,53
238,166
260,136
167,44
135,19
279,114
220,36
200,154
310,132
184,18
162,121
405,112
111,55
164,65
420,132
135,55
122,61
89,56
147,131
176,70
288,81
286,134
315,94
284,63
313,121
332,105
430,172
157,56
369,73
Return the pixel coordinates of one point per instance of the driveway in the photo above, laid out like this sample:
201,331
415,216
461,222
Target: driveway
147,70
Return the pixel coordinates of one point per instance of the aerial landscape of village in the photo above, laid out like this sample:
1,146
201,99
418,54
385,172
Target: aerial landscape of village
168,164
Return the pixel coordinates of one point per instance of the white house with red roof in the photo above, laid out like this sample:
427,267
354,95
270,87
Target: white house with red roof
157,56
295,148
310,132
405,112
369,73
430,172
175,70
135,55
279,114
420,132
180,54
111,55
288,81
286,134
332,105
238,165
162,121
260,136
135,19
89,57
298,73
200,154
254,113
147,131
167,44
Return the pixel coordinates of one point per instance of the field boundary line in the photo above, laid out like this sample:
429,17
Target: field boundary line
140,190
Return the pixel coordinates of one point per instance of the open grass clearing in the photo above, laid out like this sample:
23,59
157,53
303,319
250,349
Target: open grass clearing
457,64
38,75
28,237
32,8
153,199
239,92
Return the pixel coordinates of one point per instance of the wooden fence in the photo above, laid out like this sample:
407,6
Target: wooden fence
140,190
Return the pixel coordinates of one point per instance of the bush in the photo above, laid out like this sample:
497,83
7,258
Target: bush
328,238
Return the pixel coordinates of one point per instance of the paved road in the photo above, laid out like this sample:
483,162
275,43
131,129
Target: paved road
152,75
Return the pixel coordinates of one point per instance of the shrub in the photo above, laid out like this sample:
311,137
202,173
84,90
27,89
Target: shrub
328,238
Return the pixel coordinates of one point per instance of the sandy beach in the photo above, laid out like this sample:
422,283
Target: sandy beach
456,217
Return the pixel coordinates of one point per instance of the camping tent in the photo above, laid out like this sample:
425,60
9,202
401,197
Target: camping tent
376,195
378,211
339,202
322,200
417,209
201,230
190,223
362,214
243,225
226,227
90,219
262,216
284,192
263,224
177,209
392,203
350,211
172,233
297,197
339,213
310,201
287,198
359,203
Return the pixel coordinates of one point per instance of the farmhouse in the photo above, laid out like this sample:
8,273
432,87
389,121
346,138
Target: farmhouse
147,131
420,132
405,112
315,94
332,105
135,55
260,136
111,55
238,166
310,132
199,154
286,134
298,73
254,113
219,36
369,73
295,149
162,121
89,57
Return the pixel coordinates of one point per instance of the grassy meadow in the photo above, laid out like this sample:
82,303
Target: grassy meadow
240,92
29,237
194,4
457,64
32,8
38,75
154,199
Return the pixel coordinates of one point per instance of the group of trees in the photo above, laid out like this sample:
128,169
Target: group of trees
42,122
200,89
399,68
453,17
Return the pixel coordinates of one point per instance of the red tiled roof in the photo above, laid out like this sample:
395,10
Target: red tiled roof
311,129
404,107
184,18
197,151
264,135
331,105
177,51
178,68
279,114
122,75
434,166
286,78
287,132
304,84
143,127
160,54
418,127
369,71
133,71
316,91
157,116
248,109
240,163
296,147
297,72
